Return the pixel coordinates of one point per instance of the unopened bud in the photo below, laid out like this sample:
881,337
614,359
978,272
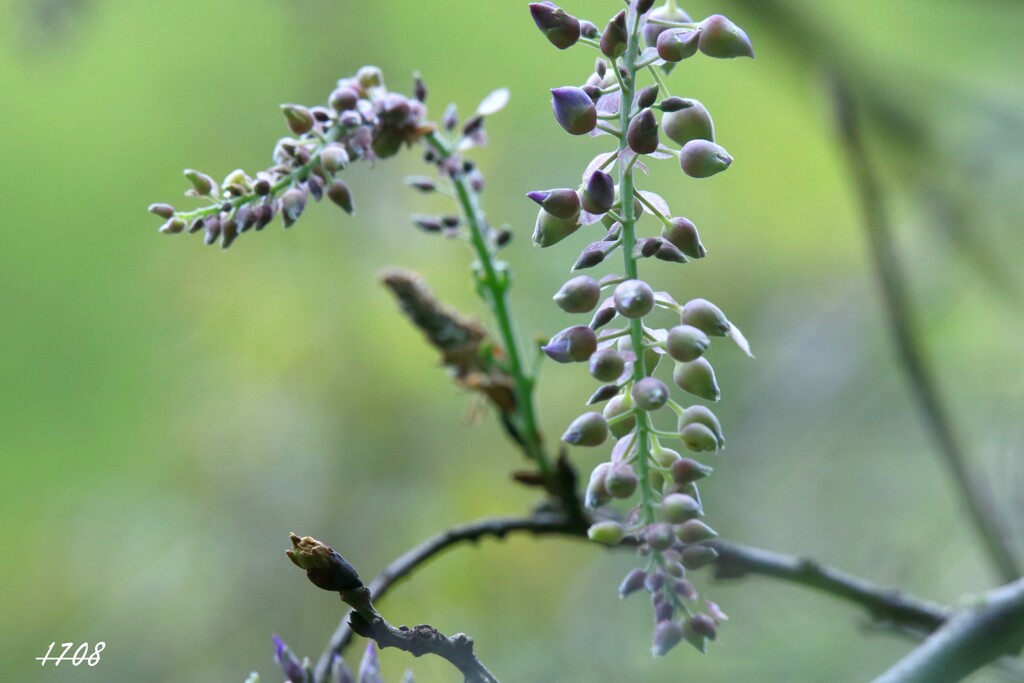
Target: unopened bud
603,393
697,414
165,211
561,29
614,38
589,429
675,45
290,665
202,183
578,295
173,226
574,344
679,507
647,97
343,99
334,158
607,365
660,536
574,110
293,202
339,193
682,233
698,378
634,298
608,533
642,134
588,29
599,193
562,203
664,13
633,582
686,471
703,159
699,438
667,634
300,119
324,567
697,556
621,481
690,123
723,39
550,230
614,408
650,394
703,625
664,456
706,317
370,76
592,255
695,531
686,343
596,494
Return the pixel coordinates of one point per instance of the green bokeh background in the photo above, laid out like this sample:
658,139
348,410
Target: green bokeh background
168,413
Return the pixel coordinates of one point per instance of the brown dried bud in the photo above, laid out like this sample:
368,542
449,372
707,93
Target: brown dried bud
325,568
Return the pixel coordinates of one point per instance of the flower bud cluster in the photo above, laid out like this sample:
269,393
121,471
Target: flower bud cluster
301,671
625,341
361,121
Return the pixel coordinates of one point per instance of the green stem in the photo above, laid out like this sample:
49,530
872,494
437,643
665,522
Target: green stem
636,331
495,293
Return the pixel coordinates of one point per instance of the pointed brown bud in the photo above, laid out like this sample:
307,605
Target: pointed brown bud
642,133
599,193
339,193
560,28
165,211
325,568
614,38
682,233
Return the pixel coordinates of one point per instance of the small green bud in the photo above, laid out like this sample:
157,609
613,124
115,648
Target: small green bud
650,394
614,38
677,45
608,533
723,39
642,134
202,183
607,365
686,471
578,295
634,298
703,159
698,414
695,531
682,234
334,158
697,556
549,230
563,204
706,317
589,429
370,77
300,119
690,123
698,378
686,343
339,193
615,407
677,508
621,481
699,438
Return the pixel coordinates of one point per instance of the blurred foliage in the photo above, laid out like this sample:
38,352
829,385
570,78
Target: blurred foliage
171,412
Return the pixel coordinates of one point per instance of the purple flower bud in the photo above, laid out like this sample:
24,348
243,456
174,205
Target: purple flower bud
716,612
607,365
647,97
576,343
621,481
663,609
340,673
289,663
682,233
686,343
264,214
703,625
644,6
563,203
165,211
588,29
614,408
608,533
211,227
660,536
593,91
721,38
369,668
669,253
603,393
677,45
684,588
642,133
596,495
667,634
550,230
633,582
689,123
706,317
654,581
614,38
229,232
679,507
697,556
664,456
665,13
419,88
574,110
650,394
589,429
603,316
450,118
339,193
560,28
599,193
670,104
421,183
703,159
686,471
647,247
698,378
634,298
578,295
261,187
246,218
300,119
698,414
293,202
343,99
592,255
695,531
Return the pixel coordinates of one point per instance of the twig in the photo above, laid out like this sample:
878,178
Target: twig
328,570
974,638
976,498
